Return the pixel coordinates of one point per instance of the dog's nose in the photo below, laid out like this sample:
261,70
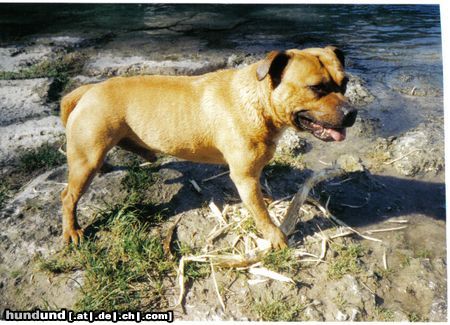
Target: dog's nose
349,116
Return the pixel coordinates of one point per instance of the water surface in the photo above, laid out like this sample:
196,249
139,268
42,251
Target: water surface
395,48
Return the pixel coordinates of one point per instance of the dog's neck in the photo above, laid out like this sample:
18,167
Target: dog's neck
259,105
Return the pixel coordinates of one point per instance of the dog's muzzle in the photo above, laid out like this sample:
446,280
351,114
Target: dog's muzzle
325,131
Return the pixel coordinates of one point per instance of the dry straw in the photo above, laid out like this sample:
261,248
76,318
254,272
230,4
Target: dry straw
247,249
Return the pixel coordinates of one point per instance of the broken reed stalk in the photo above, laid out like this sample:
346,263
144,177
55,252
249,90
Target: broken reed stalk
195,185
291,217
181,281
215,176
216,286
216,212
400,158
397,221
338,221
384,230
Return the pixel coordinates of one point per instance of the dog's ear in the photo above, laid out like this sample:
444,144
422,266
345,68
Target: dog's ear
339,54
273,65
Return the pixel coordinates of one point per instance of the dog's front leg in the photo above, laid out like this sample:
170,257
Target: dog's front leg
247,183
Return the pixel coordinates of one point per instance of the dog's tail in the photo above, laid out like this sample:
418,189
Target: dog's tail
71,100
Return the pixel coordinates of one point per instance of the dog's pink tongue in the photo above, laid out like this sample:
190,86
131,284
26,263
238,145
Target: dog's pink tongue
337,135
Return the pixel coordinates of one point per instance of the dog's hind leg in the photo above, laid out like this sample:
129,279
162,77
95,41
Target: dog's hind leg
85,156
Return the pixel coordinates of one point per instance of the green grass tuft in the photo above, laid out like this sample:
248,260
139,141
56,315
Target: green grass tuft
60,263
192,270
415,317
138,181
58,68
249,225
383,314
346,261
44,157
137,178
123,260
423,253
405,260
281,261
124,266
278,310
340,301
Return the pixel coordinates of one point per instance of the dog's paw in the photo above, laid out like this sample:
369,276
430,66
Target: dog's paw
74,234
276,237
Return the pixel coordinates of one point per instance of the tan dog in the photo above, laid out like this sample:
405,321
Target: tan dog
229,117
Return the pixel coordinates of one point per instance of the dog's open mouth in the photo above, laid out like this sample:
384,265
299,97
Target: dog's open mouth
319,131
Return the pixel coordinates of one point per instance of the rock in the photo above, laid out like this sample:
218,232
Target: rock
399,316
438,311
415,81
292,144
365,126
313,314
356,92
19,57
111,65
340,316
61,41
440,265
350,163
28,135
239,61
355,315
23,99
419,151
426,264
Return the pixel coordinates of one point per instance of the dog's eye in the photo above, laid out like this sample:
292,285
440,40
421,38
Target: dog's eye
319,89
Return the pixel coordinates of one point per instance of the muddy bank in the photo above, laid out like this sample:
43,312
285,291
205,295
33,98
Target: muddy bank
396,148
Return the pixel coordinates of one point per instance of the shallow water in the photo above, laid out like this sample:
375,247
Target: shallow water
371,33
395,48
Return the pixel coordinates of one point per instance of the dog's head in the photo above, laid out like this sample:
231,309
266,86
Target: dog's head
307,90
